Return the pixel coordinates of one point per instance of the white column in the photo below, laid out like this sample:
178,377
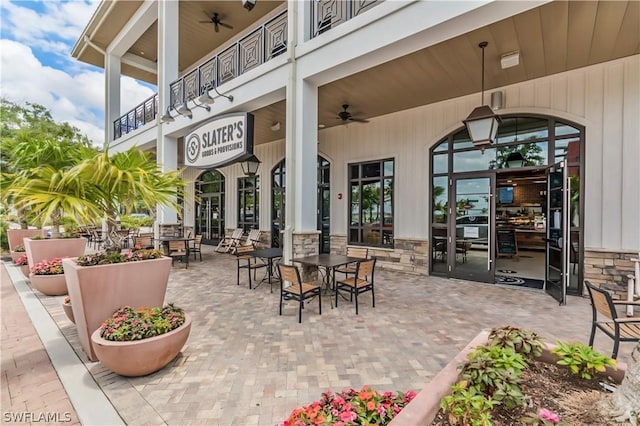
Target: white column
112,73
166,146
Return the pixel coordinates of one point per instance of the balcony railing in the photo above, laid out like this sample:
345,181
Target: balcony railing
139,116
259,46
327,14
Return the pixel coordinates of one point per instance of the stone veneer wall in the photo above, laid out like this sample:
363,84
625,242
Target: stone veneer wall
609,270
306,244
408,255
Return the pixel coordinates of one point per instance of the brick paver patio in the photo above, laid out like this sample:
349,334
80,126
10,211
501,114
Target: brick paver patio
245,365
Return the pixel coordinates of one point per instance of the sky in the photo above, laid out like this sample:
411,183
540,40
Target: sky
36,64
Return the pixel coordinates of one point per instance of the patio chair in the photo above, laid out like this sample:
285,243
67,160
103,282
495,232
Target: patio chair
196,247
298,290
361,282
242,256
625,329
178,250
96,238
143,241
359,252
227,243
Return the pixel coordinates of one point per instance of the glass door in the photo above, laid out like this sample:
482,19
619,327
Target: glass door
557,241
470,253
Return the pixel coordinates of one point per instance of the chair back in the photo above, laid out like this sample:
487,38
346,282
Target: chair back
197,240
289,273
143,241
237,234
601,302
365,269
253,237
360,252
243,250
176,247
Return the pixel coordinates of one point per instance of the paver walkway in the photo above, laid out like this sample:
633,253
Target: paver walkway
245,365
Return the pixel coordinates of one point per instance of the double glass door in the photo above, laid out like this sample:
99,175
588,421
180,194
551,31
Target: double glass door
210,217
470,253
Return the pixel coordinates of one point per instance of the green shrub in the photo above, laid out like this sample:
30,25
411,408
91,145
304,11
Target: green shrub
521,341
582,359
466,406
4,240
128,222
495,372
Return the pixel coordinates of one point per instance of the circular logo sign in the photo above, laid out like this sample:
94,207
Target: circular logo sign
192,148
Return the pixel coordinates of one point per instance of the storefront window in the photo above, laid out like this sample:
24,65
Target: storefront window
248,202
371,200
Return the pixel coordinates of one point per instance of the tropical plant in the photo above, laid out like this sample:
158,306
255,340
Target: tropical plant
521,341
48,267
351,407
582,359
106,258
128,323
466,406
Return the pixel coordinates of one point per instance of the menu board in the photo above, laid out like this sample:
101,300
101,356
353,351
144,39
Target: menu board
507,242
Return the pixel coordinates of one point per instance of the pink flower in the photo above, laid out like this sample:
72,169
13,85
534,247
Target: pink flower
548,415
348,416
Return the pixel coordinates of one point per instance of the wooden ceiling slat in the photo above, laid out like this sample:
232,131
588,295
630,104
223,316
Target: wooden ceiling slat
607,27
628,39
582,18
554,20
529,28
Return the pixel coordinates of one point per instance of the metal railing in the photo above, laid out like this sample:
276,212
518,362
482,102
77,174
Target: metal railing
142,114
327,14
259,46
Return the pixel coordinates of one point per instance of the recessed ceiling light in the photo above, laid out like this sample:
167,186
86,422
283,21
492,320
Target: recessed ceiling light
321,126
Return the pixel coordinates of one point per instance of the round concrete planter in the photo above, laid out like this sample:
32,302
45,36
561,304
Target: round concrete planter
68,311
141,357
97,291
50,285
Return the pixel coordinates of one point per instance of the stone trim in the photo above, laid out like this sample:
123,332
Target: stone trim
609,270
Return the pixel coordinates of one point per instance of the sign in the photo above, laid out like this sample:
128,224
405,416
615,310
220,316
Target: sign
220,142
471,232
507,242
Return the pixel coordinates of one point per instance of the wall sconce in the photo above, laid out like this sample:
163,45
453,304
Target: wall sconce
515,160
250,165
482,123
167,117
206,99
185,111
275,126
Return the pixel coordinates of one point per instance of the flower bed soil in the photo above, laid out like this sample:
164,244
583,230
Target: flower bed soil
552,387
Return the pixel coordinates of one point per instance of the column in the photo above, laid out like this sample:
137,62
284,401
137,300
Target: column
112,73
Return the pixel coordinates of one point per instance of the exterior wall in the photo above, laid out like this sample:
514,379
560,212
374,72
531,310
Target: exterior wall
609,270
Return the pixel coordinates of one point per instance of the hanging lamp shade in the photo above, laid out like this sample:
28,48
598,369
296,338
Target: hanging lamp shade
515,160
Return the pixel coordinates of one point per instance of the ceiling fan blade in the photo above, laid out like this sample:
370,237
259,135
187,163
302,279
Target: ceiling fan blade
205,22
222,24
359,120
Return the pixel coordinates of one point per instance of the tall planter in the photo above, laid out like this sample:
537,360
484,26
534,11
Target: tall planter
50,248
141,357
16,236
97,291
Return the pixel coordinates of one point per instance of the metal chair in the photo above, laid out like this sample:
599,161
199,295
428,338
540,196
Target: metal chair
359,252
196,247
361,282
179,250
625,329
298,290
242,256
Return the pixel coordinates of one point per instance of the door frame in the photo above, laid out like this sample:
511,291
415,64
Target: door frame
557,240
487,275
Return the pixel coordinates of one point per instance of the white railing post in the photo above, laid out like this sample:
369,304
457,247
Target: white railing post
633,286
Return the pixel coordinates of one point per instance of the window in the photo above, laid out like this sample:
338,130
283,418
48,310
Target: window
248,202
371,201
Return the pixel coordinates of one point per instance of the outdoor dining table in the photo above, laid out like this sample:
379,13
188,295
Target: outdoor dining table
165,242
269,254
329,262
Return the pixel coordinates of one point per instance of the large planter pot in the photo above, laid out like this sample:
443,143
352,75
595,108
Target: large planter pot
50,248
16,236
15,255
424,407
51,285
68,311
97,291
25,270
141,357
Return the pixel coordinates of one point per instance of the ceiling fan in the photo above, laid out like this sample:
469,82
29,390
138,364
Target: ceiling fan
346,116
217,22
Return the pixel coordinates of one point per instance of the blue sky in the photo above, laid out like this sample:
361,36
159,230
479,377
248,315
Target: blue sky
36,64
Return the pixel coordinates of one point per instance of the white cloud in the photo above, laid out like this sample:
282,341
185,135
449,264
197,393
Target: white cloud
36,65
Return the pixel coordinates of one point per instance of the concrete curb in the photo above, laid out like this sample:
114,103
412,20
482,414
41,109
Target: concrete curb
91,404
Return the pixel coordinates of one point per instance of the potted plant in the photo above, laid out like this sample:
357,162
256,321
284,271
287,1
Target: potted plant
16,243
39,248
23,264
17,252
67,308
100,283
137,342
47,276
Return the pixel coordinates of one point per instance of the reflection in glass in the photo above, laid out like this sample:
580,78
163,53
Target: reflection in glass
469,161
462,140
370,170
355,205
388,168
440,163
534,154
563,129
440,203
442,146
567,148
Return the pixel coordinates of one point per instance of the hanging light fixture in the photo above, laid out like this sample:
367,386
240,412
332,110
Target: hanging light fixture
167,117
250,165
515,160
482,123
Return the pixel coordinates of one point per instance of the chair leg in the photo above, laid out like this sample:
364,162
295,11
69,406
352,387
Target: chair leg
300,310
355,290
616,344
373,296
593,335
281,301
238,278
320,301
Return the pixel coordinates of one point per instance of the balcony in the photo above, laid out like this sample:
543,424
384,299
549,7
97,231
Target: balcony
327,14
259,46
